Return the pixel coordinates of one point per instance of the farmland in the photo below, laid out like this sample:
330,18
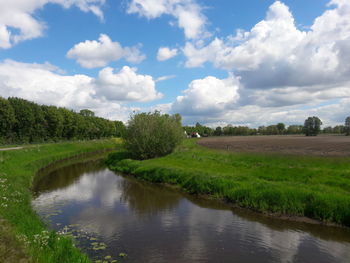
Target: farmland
326,145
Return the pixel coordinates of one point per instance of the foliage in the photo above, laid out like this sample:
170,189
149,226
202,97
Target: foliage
315,187
338,129
201,129
87,113
150,135
7,119
295,129
22,121
238,130
269,130
21,230
120,128
347,126
218,131
281,127
312,126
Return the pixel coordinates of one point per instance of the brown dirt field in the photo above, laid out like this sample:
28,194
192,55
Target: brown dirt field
323,145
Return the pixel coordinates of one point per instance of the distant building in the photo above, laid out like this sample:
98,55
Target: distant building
195,135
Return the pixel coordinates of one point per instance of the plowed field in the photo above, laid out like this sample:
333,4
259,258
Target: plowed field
297,145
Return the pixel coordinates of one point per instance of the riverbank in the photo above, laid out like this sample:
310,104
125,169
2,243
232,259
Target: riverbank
282,185
23,237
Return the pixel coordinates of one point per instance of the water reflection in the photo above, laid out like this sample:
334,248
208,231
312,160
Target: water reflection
155,224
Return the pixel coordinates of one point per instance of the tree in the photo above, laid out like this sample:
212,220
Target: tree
281,127
295,129
328,130
70,125
119,128
228,130
55,122
7,120
218,131
150,135
347,126
271,130
261,130
312,126
339,129
25,121
87,113
24,127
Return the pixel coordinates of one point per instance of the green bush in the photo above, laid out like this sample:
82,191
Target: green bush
151,135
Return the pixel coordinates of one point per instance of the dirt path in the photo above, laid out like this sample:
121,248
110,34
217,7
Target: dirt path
11,148
322,145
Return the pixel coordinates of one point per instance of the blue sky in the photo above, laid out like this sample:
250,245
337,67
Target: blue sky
218,62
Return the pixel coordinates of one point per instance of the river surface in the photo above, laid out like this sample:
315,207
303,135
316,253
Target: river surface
115,217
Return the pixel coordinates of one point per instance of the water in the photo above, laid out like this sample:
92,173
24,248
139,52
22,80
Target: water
110,214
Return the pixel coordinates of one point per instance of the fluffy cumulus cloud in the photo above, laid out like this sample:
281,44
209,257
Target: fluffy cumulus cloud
93,54
276,53
125,85
282,68
44,83
165,53
255,115
188,14
209,96
18,23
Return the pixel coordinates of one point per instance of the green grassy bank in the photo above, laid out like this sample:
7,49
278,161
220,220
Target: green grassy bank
315,187
23,237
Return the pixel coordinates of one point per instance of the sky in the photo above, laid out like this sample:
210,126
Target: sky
217,62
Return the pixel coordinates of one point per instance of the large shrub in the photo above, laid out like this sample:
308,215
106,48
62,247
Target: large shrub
151,135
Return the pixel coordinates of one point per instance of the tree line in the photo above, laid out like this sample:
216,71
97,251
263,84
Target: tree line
231,130
23,121
311,127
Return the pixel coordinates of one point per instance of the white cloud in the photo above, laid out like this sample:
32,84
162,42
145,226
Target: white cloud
93,54
163,78
19,15
42,83
165,53
208,96
275,53
188,14
105,95
289,96
126,85
255,116
4,37
285,73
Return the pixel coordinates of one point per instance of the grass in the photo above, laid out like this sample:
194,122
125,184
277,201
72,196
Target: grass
315,187
23,236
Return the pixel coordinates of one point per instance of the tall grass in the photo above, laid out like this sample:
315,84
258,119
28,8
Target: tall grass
315,187
23,237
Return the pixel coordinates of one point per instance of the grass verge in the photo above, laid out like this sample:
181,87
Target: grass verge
23,237
314,187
